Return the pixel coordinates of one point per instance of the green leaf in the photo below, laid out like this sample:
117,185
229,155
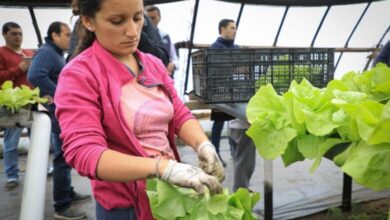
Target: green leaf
292,154
7,85
348,128
169,198
270,143
242,199
218,204
171,202
234,213
381,132
350,80
296,124
369,165
265,100
255,197
15,98
340,159
343,97
320,122
309,144
323,148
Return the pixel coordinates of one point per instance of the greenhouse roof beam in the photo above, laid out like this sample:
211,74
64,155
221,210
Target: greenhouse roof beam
195,15
35,24
320,25
307,3
281,26
353,31
240,13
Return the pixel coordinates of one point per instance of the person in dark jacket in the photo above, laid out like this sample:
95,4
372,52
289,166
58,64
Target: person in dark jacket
227,32
151,42
242,147
384,55
154,14
44,71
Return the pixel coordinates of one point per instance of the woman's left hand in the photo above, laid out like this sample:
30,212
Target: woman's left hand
209,160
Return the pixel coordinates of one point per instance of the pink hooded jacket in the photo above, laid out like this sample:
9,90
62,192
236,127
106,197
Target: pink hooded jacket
87,100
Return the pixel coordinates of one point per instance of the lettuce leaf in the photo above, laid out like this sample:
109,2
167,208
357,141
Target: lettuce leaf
369,165
169,202
15,98
308,122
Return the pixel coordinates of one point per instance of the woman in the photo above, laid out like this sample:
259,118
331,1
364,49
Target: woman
119,112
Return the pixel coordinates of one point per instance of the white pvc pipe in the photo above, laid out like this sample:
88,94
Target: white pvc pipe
34,191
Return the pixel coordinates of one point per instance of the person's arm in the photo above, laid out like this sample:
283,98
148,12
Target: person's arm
129,168
192,133
11,73
174,57
174,60
126,167
39,71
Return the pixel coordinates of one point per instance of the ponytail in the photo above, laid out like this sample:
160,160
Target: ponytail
85,37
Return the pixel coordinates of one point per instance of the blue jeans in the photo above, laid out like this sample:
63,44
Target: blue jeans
216,131
62,190
115,214
10,152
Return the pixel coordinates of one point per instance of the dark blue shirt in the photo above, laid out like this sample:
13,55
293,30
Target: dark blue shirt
222,43
44,71
45,68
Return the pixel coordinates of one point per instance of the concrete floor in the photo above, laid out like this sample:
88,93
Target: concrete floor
296,191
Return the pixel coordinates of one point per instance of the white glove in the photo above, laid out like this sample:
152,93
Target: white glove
209,160
188,176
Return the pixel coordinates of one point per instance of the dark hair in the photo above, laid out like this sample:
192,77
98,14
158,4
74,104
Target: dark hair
86,8
223,24
54,27
7,26
153,8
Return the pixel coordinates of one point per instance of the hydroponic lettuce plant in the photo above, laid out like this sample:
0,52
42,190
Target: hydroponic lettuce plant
169,202
15,98
350,118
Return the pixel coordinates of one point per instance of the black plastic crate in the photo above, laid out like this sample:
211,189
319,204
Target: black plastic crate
234,75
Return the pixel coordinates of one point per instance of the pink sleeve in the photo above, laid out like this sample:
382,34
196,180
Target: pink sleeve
79,113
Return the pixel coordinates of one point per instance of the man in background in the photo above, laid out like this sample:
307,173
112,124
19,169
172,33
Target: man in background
154,14
43,73
227,32
14,63
243,148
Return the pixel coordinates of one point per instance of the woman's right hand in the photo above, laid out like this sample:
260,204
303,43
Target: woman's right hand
189,176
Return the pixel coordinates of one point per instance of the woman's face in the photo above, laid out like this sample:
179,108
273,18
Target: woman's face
118,26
